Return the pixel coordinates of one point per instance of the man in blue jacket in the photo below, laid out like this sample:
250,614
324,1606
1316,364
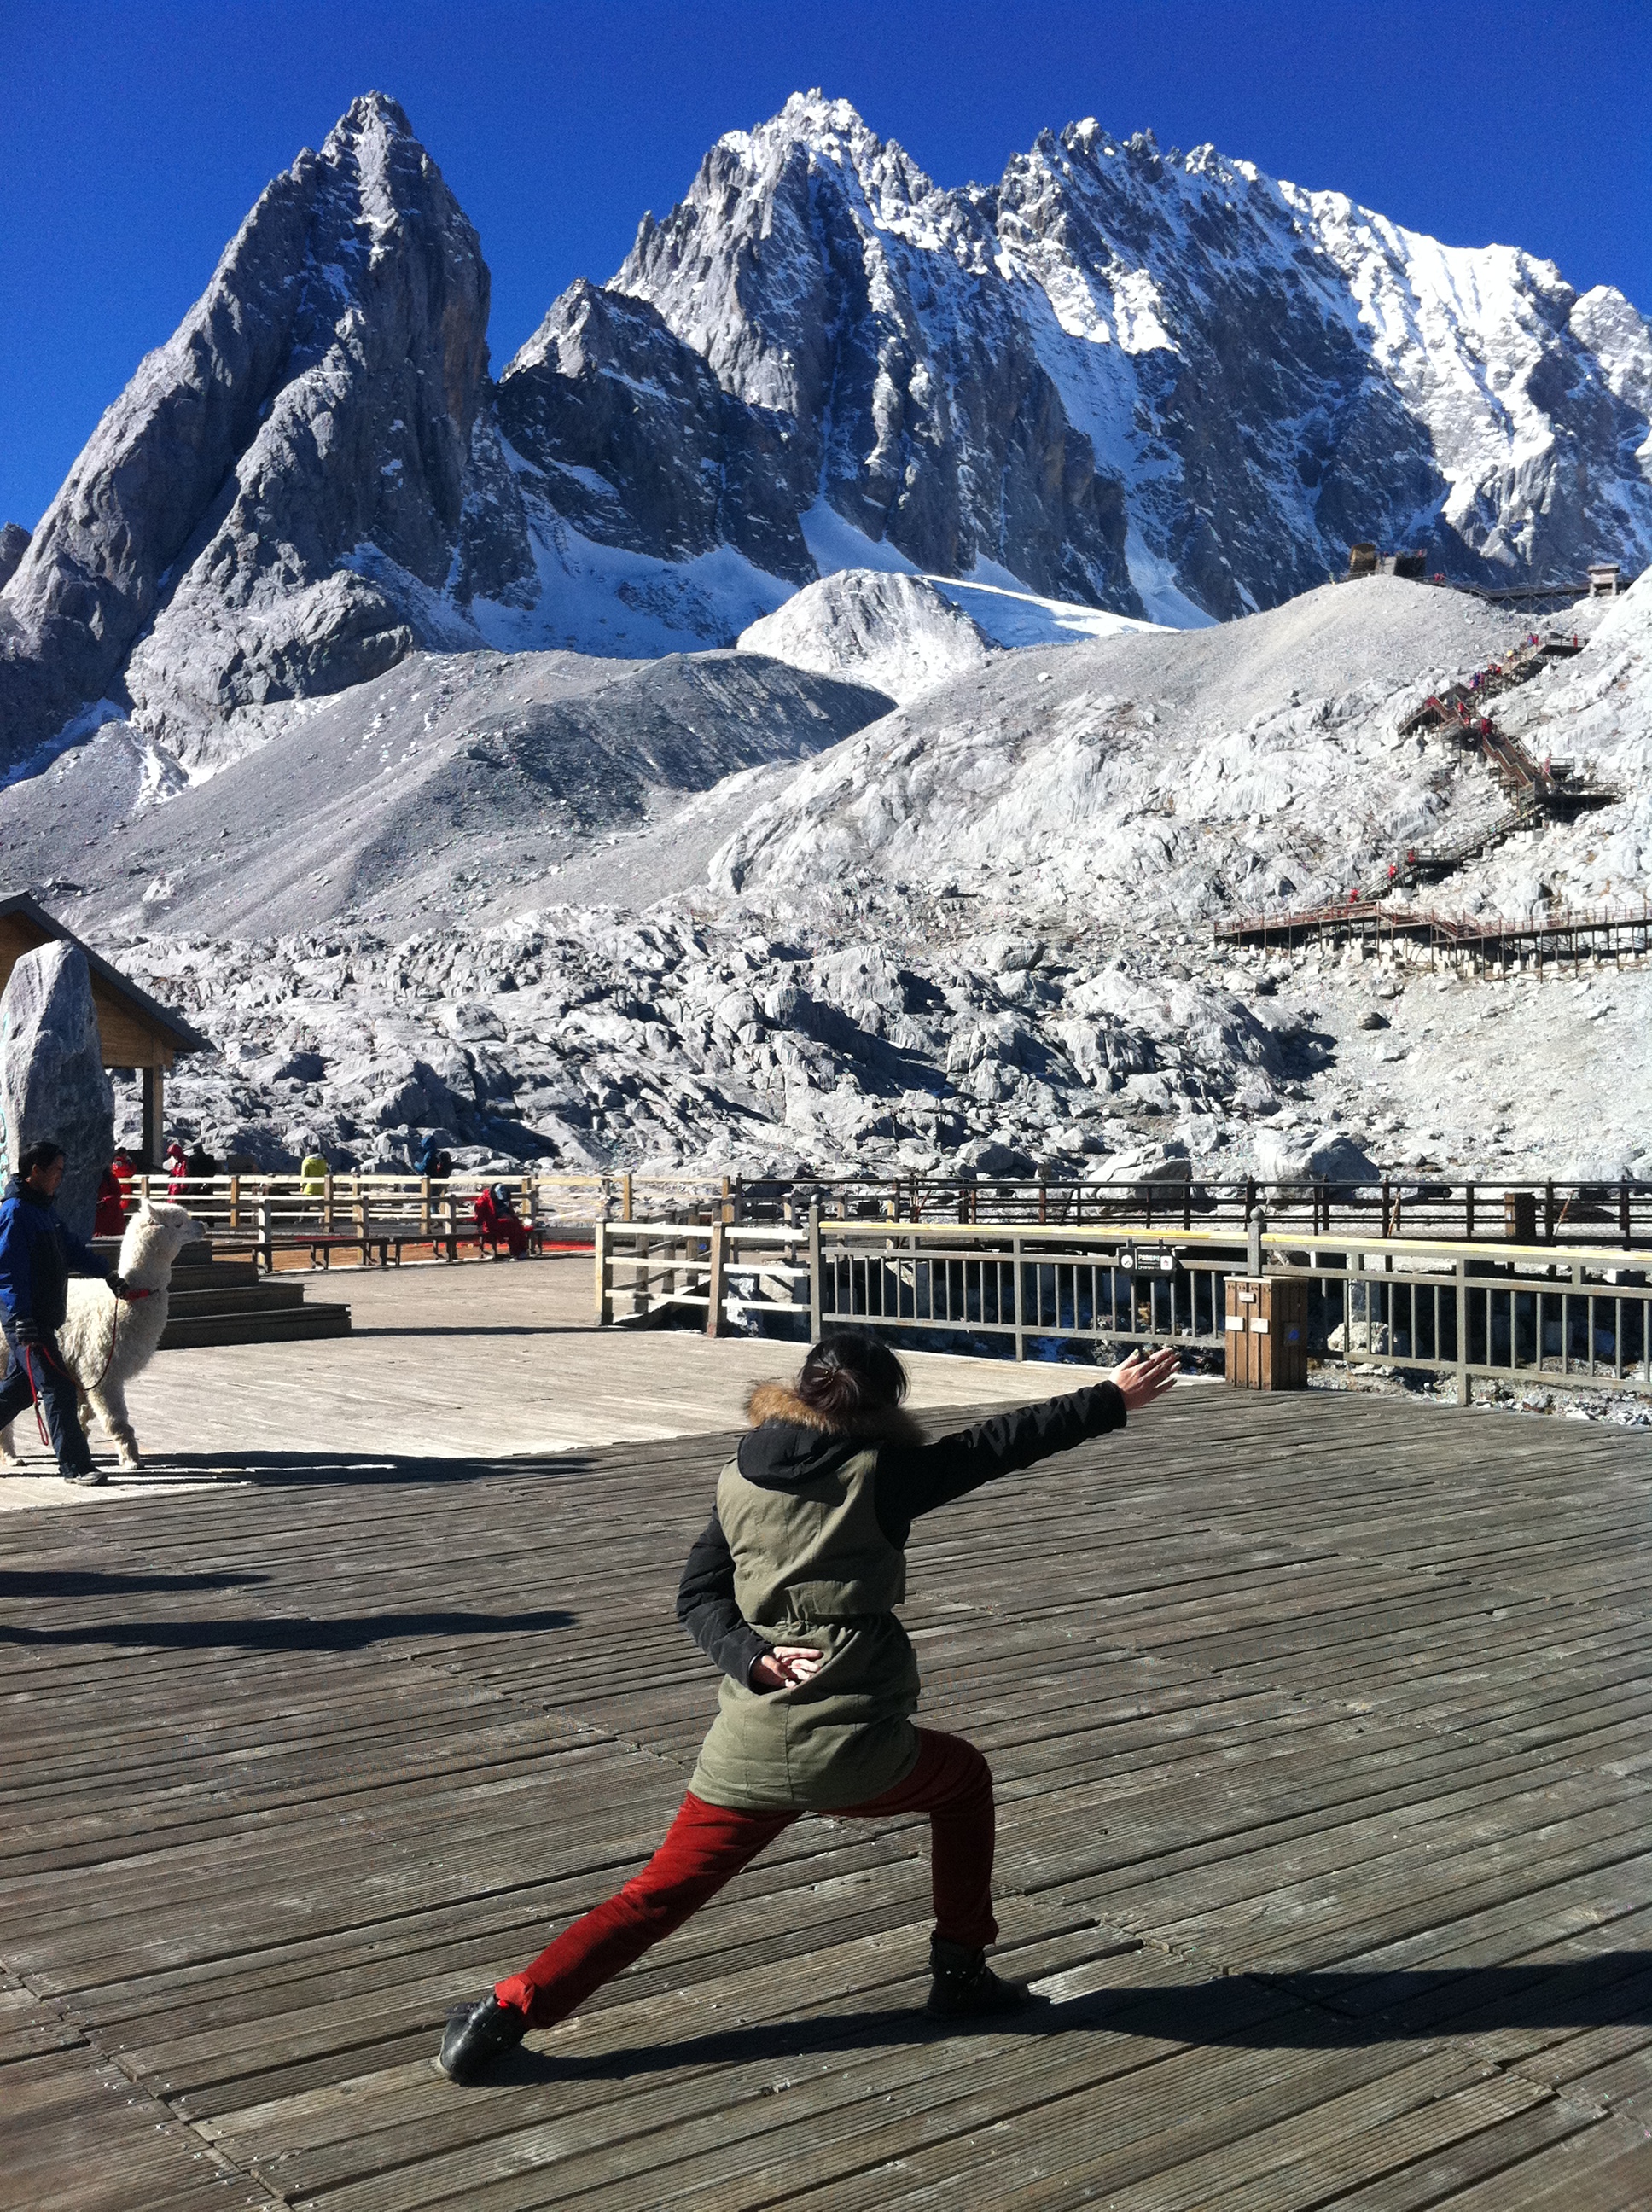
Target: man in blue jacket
38,1255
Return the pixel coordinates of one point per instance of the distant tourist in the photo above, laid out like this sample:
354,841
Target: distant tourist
313,1172
38,1255
429,1152
175,1164
110,1219
500,1222
791,1591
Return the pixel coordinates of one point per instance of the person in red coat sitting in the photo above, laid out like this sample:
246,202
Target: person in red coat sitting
500,1222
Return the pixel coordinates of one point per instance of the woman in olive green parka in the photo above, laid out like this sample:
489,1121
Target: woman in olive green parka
791,1589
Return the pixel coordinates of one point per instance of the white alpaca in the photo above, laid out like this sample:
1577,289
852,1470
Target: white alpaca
155,1236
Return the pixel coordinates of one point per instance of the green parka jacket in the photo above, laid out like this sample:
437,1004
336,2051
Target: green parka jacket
808,1546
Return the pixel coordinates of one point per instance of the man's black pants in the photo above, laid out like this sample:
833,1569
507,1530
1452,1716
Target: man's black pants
58,1394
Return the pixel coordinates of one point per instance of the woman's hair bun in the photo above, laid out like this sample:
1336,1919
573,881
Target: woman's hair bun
850,1372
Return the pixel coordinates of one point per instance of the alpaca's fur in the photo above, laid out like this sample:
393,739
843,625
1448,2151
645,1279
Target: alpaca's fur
155,1236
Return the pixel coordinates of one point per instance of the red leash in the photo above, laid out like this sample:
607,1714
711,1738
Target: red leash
132,1298
28,1368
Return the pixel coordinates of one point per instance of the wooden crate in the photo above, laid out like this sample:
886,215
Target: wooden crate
1267,1333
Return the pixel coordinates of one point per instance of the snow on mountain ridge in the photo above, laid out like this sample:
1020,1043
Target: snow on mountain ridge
893,631
1173,302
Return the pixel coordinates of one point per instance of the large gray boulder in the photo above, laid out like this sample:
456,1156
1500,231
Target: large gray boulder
52,1081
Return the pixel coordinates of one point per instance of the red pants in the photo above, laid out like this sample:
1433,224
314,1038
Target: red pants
707,1845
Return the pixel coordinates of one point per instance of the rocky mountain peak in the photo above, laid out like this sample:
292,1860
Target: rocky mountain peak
270,507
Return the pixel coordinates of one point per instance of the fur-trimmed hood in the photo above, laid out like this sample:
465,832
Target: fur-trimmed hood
790,1444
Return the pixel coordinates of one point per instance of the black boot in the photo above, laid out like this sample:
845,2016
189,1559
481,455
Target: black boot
478,2033
966,1988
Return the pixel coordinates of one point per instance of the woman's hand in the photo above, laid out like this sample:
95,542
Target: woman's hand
1143,1376
786,1666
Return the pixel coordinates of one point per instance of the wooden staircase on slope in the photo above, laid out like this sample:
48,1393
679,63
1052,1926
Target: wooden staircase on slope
229,1302
1536,793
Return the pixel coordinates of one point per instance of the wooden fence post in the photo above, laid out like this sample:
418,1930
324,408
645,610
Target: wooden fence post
1465,1388
605,1277
1020,1331
715,1321
816,1320
625,1195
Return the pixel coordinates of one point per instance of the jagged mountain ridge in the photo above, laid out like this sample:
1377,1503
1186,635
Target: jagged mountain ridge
1256,375
1119,378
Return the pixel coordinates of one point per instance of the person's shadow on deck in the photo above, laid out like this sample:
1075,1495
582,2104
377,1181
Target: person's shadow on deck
1332,2011
358,1468
91,1582
269,1632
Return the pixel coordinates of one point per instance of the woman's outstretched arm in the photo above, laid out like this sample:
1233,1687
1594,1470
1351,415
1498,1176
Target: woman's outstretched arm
915,1479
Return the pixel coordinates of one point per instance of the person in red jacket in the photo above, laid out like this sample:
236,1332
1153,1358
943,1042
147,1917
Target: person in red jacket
110,1219
500,1222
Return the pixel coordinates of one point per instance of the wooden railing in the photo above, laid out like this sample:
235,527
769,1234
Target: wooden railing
368,1213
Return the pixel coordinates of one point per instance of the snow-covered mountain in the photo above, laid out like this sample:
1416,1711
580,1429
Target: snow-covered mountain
1158,382
486,892
1161,384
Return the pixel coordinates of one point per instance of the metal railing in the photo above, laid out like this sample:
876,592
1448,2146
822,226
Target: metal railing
1418,1206
1567,1315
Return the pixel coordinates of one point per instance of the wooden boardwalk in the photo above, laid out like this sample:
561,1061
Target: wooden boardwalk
1323,1728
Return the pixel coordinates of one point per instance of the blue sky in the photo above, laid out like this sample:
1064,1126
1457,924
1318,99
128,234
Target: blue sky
134,138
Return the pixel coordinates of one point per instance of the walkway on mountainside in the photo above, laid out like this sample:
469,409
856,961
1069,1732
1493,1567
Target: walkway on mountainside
1321,1728
1537,790
1566,936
